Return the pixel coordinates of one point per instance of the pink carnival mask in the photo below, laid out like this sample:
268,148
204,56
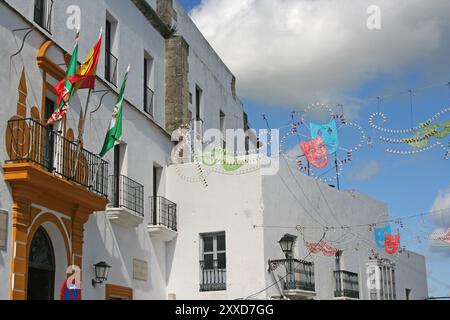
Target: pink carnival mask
315,151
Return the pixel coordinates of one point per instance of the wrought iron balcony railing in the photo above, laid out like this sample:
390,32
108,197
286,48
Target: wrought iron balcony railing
347,284
111,63
127,193
164,212
213,276
299,274
148,100
30,141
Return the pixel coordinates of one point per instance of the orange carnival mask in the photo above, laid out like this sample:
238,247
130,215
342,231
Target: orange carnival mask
392,243
315,151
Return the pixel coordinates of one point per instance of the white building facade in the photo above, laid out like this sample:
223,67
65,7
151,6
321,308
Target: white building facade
165,234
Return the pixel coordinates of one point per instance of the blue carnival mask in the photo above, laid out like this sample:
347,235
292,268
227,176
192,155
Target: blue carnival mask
380,235
329,135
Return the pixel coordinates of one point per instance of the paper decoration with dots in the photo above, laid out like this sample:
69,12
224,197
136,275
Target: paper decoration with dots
424,137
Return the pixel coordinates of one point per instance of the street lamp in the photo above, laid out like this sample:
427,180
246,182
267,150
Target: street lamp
101,273
286,244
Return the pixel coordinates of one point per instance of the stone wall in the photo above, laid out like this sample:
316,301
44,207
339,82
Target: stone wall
177,84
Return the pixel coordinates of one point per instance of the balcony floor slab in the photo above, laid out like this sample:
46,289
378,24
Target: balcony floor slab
123,217
162,233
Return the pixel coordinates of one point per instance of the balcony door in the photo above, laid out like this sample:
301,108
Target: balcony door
213,264
48,135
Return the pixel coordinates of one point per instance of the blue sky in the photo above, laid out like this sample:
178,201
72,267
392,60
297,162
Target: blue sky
408,184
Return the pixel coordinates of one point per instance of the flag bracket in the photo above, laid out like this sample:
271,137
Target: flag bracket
105,93
30,30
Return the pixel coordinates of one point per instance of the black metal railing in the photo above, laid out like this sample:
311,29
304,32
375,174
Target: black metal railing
31,141
111,63
43,13
347,284
148,100
164,212
300,275
212,277
127,193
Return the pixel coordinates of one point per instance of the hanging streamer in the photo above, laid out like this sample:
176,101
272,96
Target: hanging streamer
323,247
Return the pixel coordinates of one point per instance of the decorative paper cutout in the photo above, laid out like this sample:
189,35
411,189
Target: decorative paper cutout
392,243
329,134
380,235
315,151
422,137
420,140
332,139
326,249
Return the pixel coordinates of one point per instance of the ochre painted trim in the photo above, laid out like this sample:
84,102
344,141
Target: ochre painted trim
48,217
52,191
112,290
46,64
30,184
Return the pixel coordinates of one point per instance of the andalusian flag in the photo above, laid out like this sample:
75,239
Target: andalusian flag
66,91
115,128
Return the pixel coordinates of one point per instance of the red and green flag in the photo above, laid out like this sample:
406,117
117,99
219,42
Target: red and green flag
66,91
114,133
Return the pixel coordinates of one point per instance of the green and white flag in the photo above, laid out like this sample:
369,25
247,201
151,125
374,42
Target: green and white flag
115,128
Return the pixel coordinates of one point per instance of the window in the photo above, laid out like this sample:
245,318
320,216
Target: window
222,128
3,229
148,84
43,13
408,294
213,264
111,61
338,260
198,103
382,279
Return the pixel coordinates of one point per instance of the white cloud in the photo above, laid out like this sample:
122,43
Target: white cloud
440,215
441,209
365,172
293,52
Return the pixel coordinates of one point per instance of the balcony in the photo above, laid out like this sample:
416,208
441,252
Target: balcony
347,285
163,225
148,100
30,142
299,282
127,202
111,63
213,276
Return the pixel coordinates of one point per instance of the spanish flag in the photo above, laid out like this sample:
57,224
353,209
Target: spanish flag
85,76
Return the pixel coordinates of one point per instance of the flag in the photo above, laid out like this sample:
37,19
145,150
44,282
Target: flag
115,128
86,74
64,89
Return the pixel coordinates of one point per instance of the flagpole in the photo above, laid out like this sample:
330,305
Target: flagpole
81,128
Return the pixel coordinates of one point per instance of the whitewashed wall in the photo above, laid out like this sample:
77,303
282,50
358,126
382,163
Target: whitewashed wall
147,143
279,203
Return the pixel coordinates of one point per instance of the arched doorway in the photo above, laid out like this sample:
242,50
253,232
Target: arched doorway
41,267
